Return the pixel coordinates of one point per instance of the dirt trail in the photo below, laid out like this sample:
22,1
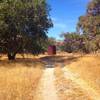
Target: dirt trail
81,83
46,89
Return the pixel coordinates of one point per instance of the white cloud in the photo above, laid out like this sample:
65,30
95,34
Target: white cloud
60,25
54,19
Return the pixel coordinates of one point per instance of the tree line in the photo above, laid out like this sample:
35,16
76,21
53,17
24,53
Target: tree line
87,37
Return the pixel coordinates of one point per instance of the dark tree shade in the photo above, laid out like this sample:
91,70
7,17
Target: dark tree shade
23,26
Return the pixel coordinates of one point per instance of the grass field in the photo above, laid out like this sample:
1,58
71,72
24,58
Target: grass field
19,79
67,89
88,68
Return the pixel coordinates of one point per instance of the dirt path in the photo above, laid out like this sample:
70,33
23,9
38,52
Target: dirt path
46,89
71,87
81,83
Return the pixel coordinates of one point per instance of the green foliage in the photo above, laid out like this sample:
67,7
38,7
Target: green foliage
51,41
74,42
71,42
90,23
87,38
23,25
48,42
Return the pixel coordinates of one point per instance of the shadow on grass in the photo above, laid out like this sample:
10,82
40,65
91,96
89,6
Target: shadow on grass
61,61
22,62
42,62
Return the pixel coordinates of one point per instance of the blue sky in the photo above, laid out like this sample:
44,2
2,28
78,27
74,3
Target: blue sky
65,14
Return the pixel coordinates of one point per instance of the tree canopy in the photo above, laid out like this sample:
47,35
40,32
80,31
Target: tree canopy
87,37
90,23
23,26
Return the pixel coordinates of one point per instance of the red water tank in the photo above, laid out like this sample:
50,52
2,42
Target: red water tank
52,50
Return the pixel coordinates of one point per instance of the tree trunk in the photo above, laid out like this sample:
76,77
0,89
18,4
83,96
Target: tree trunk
11,56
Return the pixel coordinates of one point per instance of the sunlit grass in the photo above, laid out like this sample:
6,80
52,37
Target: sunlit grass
88,68
19,79
67,89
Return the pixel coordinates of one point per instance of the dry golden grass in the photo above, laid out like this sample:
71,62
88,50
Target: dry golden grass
67,90
19,79
88,68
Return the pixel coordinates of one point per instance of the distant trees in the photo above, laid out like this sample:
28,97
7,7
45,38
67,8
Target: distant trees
90,23
74,42
71,42
87,37
23,26
51,41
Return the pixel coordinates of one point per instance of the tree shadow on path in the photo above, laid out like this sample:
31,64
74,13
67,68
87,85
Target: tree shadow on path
54,61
